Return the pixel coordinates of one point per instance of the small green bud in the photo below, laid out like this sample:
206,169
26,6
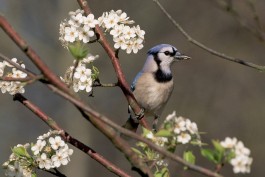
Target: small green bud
78,50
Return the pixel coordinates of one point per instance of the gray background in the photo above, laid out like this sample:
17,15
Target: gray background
223,98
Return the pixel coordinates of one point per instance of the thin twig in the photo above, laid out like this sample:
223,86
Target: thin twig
122,145
133,135
27,80
67,137
56,173
123,84
97,83
202,46
17,66
51,76
256,30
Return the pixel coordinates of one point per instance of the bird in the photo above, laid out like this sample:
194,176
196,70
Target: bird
153,85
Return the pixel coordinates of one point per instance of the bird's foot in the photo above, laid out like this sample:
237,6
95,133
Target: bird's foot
140,115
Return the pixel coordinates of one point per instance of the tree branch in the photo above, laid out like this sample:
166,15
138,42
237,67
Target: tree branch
32,55
202,46
122,145
117,67
68,138
85,109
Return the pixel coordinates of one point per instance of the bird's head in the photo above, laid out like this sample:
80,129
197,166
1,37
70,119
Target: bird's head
162,56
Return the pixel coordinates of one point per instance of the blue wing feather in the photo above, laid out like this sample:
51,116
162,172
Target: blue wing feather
135,81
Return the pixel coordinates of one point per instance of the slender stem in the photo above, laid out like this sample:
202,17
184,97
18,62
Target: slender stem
122,145
17,66
56,173
67,137
204,47
116,64
21,43
131,134
26,79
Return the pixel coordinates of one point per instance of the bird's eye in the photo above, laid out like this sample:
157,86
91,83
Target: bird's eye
167,53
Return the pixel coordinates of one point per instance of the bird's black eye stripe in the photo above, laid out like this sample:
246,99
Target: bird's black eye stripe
167,53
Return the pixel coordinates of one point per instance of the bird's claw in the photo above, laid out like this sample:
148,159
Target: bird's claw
140,115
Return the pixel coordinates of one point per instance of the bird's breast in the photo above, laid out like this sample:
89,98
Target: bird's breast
152,95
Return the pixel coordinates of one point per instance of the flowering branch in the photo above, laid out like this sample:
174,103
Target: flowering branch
14,64
52,78
202,46
123,84
135,136
32,55
67,137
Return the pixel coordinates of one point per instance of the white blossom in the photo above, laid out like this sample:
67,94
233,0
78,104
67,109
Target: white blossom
71,34
2,68
241,164
60,158
14,170
180,126
56,142
183,138
229,142
90,21
125,37
38,147
44,162
242,161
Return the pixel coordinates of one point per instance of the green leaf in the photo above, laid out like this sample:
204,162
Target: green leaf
209,154
218,146
230,155
188,156
164,172
78,50
137,152
20,152
163,133
33,175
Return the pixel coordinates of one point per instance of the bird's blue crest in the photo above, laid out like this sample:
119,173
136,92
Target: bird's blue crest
157,48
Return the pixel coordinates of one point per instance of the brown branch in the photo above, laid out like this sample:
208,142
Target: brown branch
17,66
255,29
26,79
67,137
202,46
32,55
122,145
99,121
116,64
131,134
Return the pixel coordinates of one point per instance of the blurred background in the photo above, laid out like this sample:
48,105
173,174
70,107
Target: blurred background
223,98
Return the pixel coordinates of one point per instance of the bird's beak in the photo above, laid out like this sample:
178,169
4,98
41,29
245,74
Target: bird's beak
182,57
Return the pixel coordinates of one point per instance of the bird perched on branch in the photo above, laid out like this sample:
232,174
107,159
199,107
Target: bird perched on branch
153,85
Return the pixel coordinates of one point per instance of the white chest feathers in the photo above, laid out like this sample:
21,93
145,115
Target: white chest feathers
152,95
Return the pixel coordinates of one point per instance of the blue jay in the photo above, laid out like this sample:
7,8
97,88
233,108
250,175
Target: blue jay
153,85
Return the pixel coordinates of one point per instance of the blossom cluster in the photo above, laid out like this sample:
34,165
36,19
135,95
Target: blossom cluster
82,79
50,151
16,165
174,131
8,70
125,37
184,131
241,161
78,28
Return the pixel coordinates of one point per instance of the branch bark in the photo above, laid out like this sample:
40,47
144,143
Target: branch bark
68,138
204,47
